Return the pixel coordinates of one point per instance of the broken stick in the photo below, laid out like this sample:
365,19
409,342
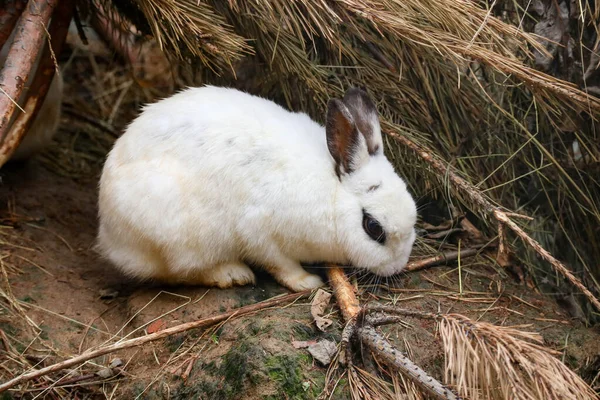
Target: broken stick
443,258
349,305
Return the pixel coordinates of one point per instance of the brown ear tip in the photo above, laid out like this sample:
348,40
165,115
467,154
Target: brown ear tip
337,112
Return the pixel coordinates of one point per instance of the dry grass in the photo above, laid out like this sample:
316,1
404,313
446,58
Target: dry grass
486,361
455,76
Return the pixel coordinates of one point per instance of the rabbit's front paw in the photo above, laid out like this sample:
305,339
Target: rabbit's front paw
228,275
305,281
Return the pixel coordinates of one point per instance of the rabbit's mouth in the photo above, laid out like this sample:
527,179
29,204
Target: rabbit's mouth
397,263
389,269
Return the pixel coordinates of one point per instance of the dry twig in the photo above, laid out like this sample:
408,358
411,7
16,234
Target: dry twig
442,258
367,334
344,292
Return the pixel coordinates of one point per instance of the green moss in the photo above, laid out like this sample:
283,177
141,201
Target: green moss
246,368
45,330
210,367
254,327
342,390
286,371
239,369
27,299
9,329
303,331
174,342
257,328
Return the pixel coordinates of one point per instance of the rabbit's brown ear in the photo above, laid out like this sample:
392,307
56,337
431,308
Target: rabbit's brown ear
366,118
343,140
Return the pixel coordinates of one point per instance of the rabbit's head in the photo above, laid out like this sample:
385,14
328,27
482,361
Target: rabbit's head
376,215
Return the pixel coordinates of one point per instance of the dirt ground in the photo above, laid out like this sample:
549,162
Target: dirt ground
59,298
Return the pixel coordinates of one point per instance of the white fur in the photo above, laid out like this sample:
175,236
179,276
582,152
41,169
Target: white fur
45,124
211,178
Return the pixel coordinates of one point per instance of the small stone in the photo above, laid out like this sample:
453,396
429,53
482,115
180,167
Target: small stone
323,351
105,373
117,362
108,294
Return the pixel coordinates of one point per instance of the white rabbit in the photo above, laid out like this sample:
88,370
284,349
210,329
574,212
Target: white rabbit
212,178
45,124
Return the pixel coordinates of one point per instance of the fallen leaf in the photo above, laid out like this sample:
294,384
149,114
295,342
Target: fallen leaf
323,351
156,326
441,227
474,233
317,308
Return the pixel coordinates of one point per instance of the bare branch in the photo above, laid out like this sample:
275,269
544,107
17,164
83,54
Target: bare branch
344,293
352,313
394,358
443,258
8,18
24,50
58,30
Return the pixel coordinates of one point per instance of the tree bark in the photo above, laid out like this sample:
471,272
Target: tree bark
59,27
8,18
30,33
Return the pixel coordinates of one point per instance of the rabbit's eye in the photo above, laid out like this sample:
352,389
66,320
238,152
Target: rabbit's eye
373,228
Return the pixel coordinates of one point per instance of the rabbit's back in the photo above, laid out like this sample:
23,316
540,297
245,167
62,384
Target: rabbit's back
206,121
